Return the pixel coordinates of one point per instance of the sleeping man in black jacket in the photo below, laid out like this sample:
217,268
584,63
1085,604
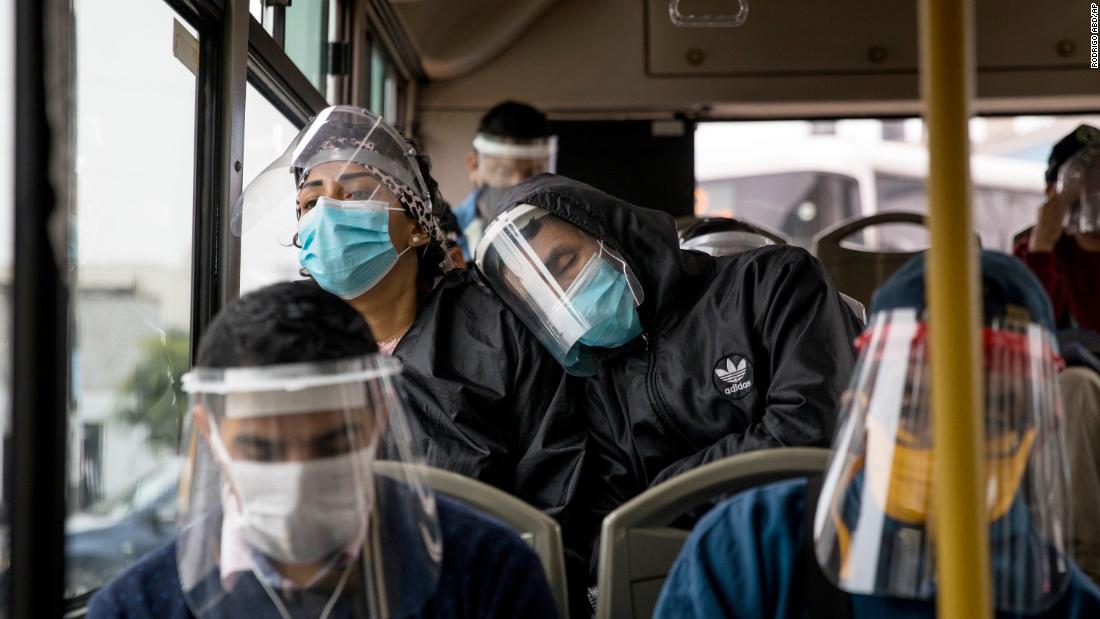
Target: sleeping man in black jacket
691,358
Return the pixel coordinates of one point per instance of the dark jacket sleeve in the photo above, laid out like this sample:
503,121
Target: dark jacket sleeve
551,435
806,332
494,404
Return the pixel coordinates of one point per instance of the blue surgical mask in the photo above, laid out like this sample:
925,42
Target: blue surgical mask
346,245
602,295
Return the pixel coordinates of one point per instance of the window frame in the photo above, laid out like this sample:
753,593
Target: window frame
234,49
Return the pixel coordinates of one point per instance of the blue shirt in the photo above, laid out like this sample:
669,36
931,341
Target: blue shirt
487,571
741,560
465,213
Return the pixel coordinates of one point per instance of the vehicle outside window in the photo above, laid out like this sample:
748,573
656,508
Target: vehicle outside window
113,533
798,204
802,177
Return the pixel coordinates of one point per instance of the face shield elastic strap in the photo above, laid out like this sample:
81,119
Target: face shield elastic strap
624,270
993,340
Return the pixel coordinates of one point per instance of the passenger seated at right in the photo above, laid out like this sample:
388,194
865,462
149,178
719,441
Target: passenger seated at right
1063,249
283,513
866,547
1081,396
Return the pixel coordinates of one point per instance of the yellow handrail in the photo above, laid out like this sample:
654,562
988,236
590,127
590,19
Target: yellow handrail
962,540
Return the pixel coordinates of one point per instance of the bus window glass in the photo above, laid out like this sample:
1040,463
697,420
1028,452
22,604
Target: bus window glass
306,29
379,70
267,251
780,173
131,305
798,204
7,221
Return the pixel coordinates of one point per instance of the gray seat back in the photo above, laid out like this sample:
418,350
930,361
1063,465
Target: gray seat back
540,531
857,272
638,546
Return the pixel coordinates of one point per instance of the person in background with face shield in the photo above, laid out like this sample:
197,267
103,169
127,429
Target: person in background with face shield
493,405
689,358
284,511
859,541
1064,247
513,143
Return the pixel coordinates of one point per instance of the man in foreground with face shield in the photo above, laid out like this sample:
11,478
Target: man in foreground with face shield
284,512
513,143
1064,247
689,358
859,542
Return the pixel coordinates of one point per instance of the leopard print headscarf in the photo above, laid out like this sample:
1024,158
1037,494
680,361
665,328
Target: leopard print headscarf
416,205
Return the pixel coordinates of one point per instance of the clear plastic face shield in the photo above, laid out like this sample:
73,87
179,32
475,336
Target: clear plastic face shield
1078,186
727,243
569,288
503,163
873,529
282,513
346,172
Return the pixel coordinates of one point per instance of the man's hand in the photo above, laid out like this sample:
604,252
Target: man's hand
1048,226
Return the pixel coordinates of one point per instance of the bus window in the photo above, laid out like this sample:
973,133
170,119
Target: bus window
383,84
999,212
131,303
267,251
802,176
306,28
798,204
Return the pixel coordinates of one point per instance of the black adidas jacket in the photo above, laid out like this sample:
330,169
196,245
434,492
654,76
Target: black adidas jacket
490,402
738,353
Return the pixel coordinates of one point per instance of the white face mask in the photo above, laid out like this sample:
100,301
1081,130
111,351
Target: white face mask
300,512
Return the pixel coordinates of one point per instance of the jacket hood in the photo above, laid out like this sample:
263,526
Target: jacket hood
645,238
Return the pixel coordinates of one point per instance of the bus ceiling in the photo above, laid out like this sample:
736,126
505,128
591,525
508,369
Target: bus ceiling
853,59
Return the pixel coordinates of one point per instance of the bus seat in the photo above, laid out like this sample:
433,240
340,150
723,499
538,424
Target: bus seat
858,272
857,308
689,228
540,531
638,546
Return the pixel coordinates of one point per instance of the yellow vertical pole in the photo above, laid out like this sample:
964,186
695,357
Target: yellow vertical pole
961,533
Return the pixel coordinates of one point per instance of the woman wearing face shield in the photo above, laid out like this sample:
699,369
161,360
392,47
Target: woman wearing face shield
859,541
284,510
491,403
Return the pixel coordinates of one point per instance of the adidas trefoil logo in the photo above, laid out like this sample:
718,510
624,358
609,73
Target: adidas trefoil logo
733,376
733,373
